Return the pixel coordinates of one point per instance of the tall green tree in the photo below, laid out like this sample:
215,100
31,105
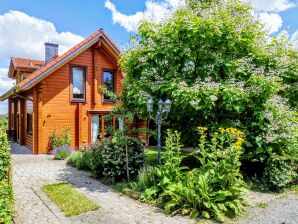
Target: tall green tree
220,68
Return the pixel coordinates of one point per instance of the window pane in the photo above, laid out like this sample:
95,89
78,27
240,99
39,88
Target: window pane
108,79
78,77
29,123
29,105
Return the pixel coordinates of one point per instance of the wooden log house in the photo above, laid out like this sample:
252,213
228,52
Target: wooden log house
63,91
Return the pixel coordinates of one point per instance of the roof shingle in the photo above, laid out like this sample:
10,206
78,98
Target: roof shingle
27,64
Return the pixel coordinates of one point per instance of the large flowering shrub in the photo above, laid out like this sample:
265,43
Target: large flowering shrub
219,67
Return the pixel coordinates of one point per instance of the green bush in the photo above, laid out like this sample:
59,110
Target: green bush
60,139
215,189
3,122
6,192
61,152
108,158
82,160
147,177
280,173
97,162
74,157
88,159
113,156
62,155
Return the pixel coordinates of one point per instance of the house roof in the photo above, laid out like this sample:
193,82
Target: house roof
44,71
26,63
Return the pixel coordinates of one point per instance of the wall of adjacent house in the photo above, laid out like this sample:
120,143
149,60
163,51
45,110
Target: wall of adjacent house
58,112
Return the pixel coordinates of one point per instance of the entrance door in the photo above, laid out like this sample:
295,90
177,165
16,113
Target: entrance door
102,126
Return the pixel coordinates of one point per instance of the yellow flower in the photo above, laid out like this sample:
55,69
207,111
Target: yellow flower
237,147
202,129
222,130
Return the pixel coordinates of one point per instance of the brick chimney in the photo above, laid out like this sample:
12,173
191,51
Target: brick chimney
51,52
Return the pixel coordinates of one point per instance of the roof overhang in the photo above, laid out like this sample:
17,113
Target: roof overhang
9,93
60,63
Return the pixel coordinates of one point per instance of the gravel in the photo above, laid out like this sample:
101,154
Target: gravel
271,209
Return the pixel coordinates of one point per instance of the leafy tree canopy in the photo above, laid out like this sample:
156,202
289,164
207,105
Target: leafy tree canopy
220,68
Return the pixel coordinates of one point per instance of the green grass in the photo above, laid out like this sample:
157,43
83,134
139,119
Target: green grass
263,205
151,156
68,199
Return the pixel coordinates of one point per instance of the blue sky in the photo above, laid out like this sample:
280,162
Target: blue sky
26,25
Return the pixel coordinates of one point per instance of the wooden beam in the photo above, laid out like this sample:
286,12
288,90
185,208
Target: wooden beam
40,119
80,123
35,149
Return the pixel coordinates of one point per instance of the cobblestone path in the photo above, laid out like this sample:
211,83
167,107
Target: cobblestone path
31,172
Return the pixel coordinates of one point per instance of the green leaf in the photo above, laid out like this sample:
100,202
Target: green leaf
205,215
169,205
194,214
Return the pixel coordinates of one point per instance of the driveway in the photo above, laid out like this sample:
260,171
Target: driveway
31,172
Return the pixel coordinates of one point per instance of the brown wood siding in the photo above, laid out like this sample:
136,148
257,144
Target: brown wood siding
58,112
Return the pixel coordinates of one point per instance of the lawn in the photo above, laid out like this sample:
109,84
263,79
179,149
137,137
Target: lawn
68,199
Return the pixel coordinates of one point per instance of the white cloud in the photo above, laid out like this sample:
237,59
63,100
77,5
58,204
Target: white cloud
268,12
272,5
156,11
272,21
5,84
22,35
294,39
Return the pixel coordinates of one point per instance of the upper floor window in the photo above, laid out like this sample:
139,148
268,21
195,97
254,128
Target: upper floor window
78,88
109,82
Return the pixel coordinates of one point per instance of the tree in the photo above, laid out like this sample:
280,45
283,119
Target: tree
220,68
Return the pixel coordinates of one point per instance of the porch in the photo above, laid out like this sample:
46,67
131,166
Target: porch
17,149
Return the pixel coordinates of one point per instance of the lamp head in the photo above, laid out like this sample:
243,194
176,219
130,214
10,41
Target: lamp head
167,106
150,105
160,105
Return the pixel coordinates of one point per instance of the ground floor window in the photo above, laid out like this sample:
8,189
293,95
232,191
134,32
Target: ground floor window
29,114
29,123
102,126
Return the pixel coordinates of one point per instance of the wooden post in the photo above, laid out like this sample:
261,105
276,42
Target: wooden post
80,123
9,114
40,120
35,149
22,120
96,71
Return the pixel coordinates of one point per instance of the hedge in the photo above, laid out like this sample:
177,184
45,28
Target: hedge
6,193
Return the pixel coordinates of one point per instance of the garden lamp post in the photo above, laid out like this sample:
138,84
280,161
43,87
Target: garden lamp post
163,107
